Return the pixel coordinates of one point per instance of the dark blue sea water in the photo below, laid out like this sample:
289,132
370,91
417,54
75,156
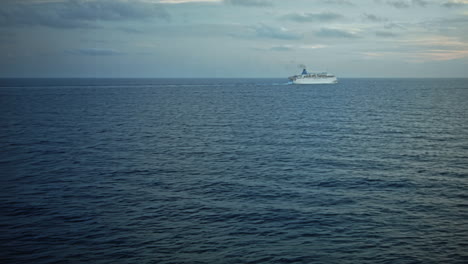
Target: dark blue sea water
233,171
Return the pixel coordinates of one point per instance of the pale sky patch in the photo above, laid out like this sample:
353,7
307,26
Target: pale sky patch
289,47
317,46
442,55
435,41
420,56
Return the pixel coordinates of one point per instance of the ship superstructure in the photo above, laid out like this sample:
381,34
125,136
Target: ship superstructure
313,78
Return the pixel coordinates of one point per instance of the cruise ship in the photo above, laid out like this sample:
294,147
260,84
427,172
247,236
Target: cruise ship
313,78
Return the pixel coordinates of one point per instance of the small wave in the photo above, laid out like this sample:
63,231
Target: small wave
280,84
274,84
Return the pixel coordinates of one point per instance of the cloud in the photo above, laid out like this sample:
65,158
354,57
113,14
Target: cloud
393,25
441,42
455,24
406,4
296,47
316,46
420,56
455,3
399,4
255,3
282,48
312,17
458,20
441,55
374,18
130,30
77,13
385,34
277,33
424,49
338,2
93,52
187,1
422,3
335,33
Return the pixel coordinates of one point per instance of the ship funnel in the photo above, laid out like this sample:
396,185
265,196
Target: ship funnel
304,71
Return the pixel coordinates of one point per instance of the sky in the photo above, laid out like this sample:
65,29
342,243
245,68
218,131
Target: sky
233,38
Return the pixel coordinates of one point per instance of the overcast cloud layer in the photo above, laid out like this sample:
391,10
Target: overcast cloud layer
233,38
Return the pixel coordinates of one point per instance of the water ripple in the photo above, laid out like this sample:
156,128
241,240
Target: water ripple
233,171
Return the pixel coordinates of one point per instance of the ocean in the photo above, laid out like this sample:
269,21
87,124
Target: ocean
233,171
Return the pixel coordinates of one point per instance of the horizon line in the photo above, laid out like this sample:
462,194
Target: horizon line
108,77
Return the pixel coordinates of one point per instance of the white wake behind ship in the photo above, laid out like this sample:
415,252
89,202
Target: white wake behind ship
313,78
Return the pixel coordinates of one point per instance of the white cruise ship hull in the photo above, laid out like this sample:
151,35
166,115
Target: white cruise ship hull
330,80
